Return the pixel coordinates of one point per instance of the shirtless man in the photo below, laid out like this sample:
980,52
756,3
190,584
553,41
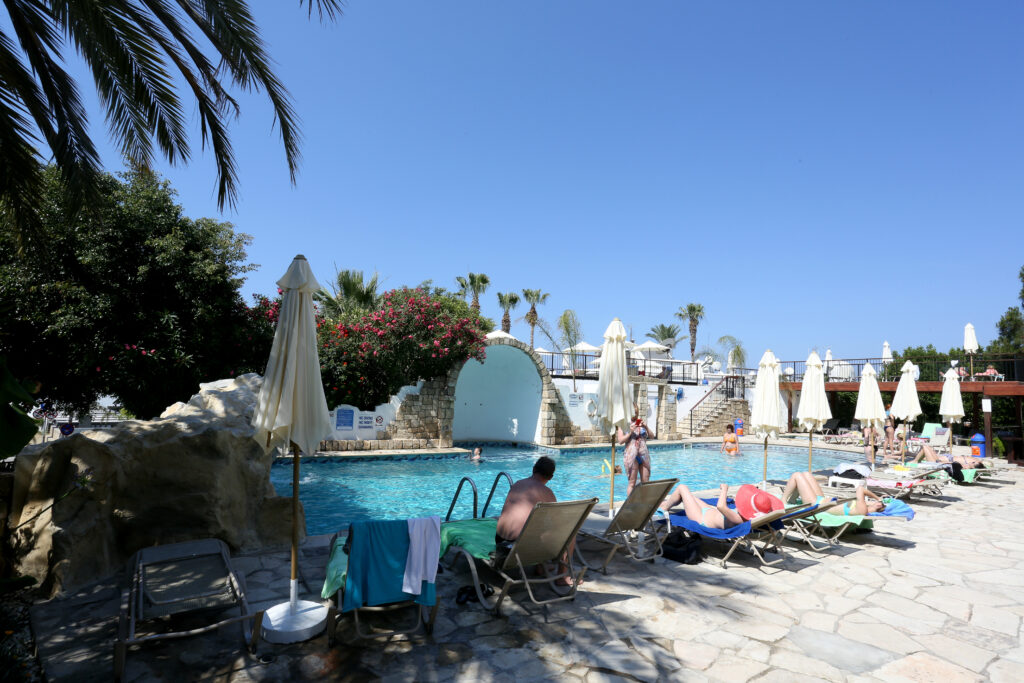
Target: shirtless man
519,503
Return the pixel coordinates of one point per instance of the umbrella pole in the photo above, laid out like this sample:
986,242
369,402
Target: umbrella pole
810,449
294,593
873,447
611,497
764,477
903,446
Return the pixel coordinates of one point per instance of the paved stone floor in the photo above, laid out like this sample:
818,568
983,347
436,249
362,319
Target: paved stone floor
939,598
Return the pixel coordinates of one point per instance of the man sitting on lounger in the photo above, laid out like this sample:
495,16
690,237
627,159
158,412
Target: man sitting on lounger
806,486
519,503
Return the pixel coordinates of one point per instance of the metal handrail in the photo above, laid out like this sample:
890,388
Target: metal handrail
730,381
455,498
494,486
584,366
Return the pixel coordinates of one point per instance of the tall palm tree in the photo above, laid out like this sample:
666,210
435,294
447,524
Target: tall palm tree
507,303
352,292
667,335
140,54
475,284
735,352
693,313
533,297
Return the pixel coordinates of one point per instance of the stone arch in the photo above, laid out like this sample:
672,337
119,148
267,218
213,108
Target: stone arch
507,402
427,417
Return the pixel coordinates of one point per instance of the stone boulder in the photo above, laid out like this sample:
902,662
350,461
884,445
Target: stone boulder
82,506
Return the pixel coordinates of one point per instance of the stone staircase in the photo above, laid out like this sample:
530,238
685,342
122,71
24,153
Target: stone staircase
713,423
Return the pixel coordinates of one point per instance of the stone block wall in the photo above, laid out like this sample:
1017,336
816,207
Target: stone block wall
426,416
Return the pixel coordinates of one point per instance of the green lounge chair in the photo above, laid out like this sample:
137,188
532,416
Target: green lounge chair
545,538
632,528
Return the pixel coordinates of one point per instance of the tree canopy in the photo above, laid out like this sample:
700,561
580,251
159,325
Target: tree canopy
133,300
140,55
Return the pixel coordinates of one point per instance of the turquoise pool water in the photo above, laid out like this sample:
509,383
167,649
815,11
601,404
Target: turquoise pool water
338,491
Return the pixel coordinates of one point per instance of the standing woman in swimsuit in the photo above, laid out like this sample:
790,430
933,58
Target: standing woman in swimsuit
890,433
637,459
730,444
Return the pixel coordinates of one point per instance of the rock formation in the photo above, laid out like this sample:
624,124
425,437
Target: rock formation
83,505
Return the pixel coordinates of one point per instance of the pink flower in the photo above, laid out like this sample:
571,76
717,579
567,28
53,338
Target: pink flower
134,346
110,358
97,368
152,351
143,352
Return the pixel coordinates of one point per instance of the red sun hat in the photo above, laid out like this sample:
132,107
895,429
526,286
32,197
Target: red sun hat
752,502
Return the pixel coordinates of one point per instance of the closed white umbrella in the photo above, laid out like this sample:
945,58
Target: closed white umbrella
886,357
970,343
828,363
766,419
870,410
951,405
814,409
614,396
905,404
292,411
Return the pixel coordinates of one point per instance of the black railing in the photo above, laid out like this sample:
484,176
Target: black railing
587,366
986,367
705,410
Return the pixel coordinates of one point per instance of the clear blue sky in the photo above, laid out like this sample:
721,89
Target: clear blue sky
816,174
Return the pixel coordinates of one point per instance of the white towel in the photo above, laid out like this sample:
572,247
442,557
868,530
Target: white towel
424,546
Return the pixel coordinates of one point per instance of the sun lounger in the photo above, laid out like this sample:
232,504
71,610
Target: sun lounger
633,528
800,520
365,574
182,578
763,528
831,527
545,538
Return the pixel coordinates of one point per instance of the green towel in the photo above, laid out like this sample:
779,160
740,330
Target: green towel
829,520
337,568
476,536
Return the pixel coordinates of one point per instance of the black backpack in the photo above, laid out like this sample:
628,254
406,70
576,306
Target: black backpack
680,546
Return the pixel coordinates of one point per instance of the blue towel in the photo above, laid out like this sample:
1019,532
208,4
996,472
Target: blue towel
679,518
895,508
376,565
731,504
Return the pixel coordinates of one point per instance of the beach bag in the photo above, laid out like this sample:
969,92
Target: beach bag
680,546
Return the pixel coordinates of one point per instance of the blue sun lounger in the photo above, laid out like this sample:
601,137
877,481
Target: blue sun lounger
765,528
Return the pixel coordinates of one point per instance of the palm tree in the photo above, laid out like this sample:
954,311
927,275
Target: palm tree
507,303
735,353
571,333
667,335
693,313
139,53
351,293
533,297
475,284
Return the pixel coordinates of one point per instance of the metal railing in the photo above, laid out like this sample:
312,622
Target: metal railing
706,409
1003,367
587,366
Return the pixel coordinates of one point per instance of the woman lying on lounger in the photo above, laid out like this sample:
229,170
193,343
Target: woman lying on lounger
806,486
966,461
750,503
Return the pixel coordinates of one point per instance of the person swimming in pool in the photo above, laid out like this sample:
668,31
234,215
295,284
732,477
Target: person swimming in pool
730,444
804,486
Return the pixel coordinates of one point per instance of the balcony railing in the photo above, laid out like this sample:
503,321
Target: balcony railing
587,366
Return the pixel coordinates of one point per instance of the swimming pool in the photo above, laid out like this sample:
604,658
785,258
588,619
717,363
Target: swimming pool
337,491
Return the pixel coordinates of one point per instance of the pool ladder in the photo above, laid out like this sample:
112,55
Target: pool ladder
472,484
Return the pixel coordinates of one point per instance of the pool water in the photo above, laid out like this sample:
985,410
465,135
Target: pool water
337,491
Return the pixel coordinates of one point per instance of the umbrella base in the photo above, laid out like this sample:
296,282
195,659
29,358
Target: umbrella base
283,625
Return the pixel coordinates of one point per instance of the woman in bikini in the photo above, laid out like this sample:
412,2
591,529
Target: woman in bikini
636,459
804,486
730,444
718,516
890,433
966,461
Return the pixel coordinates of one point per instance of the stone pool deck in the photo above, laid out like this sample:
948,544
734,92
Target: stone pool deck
938,598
